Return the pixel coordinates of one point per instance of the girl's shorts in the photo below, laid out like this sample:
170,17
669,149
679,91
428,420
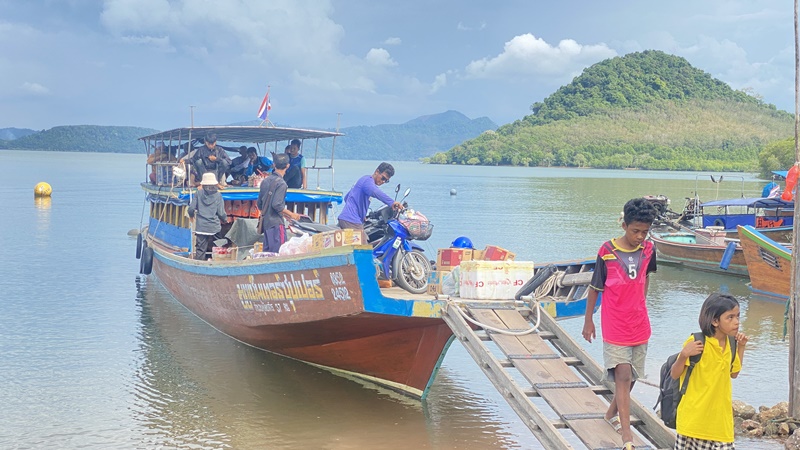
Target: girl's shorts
614,355
690,443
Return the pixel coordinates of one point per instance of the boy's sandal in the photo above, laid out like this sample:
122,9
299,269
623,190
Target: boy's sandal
615,423
628,446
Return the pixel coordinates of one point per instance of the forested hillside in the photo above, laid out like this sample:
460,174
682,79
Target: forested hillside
83,138
647,110
14,133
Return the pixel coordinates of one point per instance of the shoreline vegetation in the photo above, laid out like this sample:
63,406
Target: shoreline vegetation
646,110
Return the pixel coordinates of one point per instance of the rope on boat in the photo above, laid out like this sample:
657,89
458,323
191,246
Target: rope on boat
552,282
534,305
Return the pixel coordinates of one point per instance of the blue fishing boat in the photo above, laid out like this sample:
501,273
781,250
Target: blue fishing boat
323,306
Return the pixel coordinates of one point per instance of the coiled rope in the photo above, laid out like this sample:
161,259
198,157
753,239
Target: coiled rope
534,305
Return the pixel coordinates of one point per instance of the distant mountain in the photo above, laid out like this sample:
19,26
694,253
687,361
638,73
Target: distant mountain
9,134
412,140
83,138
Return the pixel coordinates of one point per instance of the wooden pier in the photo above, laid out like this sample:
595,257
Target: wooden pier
563,400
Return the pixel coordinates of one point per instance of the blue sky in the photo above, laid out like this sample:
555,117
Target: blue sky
145,62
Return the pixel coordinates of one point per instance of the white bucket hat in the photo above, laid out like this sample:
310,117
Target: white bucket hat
209,179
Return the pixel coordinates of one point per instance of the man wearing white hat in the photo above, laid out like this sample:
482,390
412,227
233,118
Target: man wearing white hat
210,209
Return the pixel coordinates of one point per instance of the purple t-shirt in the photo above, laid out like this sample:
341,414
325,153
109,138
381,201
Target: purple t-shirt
356,201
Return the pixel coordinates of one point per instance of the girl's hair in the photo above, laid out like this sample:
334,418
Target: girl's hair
714,307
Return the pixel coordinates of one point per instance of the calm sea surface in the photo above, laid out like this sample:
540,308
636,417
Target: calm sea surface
94,356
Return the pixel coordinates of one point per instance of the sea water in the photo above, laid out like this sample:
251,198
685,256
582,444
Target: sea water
93,355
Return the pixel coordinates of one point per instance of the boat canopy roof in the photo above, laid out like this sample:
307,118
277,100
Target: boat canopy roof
252,134
758,202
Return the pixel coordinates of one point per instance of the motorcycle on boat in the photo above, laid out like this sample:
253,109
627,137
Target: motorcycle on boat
391,234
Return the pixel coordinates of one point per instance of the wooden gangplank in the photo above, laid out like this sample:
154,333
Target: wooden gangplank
556,370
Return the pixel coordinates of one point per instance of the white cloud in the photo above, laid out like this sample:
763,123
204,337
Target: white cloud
393,41
461,27
439,82
160,43
34,88
380,57
527,55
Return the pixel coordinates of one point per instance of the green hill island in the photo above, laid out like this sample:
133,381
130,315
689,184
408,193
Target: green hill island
646,110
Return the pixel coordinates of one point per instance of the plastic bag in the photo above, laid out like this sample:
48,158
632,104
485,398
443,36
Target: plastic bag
450,282
296,245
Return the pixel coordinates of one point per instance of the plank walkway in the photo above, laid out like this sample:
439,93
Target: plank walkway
566,400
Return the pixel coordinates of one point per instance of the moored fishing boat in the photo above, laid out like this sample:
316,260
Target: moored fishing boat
323,306
772,216
768,262
703,249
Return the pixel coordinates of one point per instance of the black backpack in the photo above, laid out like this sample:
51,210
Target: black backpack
671,391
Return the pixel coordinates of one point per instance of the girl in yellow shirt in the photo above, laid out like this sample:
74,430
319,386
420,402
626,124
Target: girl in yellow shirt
704,416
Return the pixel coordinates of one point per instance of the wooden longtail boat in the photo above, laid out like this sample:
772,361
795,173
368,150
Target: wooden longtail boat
323,307
701,249
771,216
769,263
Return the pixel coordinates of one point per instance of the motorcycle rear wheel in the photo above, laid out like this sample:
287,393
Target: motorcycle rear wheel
411,271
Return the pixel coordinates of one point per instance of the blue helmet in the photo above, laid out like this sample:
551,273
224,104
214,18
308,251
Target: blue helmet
462,242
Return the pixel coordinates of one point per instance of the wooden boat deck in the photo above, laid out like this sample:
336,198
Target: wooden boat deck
563,379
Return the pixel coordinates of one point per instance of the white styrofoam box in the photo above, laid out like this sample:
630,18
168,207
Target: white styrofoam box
493,280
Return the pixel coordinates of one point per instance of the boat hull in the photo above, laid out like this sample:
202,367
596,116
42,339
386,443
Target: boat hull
769,263
681,248
313,309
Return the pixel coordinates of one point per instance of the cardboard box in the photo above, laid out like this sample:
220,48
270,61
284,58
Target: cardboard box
224,253
495,253
337,238
493,280
449,258
355,237
435,281
477,255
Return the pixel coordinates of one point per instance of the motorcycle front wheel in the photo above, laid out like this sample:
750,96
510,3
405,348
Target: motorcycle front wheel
411,271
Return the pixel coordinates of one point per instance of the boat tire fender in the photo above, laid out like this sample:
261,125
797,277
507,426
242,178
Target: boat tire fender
146,265
720,223
139,242
727,256
536,281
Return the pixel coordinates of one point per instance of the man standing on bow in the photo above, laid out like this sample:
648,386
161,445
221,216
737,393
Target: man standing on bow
356,201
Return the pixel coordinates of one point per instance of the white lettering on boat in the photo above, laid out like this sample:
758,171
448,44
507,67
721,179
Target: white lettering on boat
285,287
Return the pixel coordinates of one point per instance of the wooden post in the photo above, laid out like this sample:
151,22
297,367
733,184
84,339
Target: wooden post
794,355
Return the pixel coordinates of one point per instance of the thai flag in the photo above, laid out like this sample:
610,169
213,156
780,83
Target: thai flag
263,111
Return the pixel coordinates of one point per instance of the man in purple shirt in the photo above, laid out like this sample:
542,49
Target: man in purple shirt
356,201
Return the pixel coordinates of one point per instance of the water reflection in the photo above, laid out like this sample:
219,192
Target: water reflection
42,202
196,388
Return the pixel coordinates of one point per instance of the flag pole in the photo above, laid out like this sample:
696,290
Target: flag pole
265,106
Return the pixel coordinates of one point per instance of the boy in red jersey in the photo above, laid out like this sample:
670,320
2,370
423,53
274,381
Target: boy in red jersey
623,265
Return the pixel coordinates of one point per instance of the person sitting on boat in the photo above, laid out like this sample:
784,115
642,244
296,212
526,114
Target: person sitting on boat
296,160
239,166
209,208
272,204
293,176
259,165
356,201
159,154
210,158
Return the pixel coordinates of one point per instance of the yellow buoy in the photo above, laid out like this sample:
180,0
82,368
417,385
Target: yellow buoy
42,190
